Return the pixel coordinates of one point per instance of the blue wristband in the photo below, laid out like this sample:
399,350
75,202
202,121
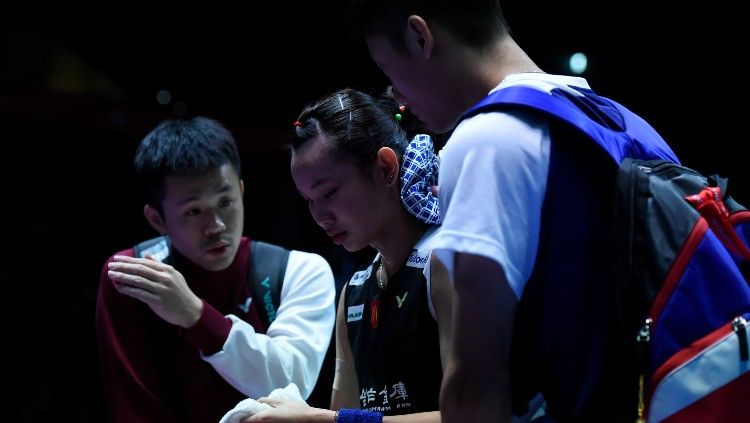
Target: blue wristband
353,415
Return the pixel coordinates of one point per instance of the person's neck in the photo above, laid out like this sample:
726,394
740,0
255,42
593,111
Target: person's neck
396,244
506,58
476,72
492,65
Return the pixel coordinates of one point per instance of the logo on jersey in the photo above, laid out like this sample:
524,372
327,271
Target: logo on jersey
246,306
268,301
360,277
354,313
401,300
418,259
386,399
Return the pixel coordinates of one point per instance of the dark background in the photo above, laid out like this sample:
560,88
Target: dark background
78,85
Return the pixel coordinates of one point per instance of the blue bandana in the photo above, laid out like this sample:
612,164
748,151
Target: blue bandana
419,173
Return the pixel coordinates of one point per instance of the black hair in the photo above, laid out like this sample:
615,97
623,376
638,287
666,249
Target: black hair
476,23
355,124
182,148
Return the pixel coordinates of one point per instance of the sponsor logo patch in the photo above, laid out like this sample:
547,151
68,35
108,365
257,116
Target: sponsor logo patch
360,277
418,259
354,313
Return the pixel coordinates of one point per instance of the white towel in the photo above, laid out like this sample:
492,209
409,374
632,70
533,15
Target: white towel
249,407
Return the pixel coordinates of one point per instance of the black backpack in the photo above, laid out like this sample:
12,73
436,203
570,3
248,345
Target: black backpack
682,287
267,269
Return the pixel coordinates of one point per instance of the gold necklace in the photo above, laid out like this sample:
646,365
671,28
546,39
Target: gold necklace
381,276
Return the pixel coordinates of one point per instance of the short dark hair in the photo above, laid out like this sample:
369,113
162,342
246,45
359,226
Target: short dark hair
182,148
355,125
476,23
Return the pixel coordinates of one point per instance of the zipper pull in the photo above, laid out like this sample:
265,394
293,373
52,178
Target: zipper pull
644,336
712,208
739,324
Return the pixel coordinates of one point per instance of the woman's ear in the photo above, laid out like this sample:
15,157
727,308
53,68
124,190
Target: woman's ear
387,166
154,219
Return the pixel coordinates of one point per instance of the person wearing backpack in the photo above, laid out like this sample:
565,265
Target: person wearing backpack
193,321
526,200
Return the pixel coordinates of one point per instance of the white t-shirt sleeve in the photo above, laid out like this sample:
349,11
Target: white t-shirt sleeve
493,176
296,342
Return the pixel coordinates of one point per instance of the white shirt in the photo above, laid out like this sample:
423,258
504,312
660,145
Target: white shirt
493,176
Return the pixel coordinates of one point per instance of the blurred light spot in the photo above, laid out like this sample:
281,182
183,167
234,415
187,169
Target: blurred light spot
163,97
578,63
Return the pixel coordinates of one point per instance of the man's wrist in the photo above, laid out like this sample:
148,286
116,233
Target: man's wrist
210,332
193,314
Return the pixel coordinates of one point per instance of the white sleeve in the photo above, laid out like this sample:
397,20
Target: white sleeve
493,176
296,342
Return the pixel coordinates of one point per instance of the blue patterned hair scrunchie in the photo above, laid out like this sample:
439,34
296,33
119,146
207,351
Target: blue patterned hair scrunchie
419,173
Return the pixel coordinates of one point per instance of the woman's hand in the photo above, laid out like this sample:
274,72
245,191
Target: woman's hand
290,411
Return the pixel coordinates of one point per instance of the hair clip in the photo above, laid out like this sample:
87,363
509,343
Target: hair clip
297,123
402,109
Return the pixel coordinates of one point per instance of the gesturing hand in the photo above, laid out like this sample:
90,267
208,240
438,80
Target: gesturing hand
159,285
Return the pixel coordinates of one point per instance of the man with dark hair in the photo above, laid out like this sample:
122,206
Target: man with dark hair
526,205
185,328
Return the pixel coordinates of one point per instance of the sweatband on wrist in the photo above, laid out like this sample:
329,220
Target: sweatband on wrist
353,415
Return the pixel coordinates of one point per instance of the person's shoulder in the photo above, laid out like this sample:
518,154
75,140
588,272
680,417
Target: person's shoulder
497,130
305,259
306,256
511,126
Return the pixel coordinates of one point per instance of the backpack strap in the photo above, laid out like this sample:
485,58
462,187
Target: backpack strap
158,247
267,269
610,125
